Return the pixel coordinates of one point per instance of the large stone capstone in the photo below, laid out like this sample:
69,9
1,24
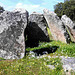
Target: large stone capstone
36,30
57,28
70,25
12,26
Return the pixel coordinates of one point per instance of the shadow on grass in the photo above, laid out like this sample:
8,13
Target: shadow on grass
73,42
43,51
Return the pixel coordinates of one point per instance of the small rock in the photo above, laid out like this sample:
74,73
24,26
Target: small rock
31,54
45,52
67,68
51,66
68,63
49,57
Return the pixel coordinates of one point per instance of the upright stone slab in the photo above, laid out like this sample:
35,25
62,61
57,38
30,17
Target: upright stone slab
67,21
71,26
12,26
56,26
36,30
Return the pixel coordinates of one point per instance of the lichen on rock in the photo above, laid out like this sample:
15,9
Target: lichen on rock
12,26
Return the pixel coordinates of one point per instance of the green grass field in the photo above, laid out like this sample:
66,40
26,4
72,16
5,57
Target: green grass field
34,66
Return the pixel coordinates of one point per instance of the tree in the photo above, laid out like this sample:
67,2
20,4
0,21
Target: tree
1,9
67,8
58,8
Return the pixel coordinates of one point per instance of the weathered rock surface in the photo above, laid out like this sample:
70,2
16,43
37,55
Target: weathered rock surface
67,21
71,26
12,26
56,26
36,30
68,63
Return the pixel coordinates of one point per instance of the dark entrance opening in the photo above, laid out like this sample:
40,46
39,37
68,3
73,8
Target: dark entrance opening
34,34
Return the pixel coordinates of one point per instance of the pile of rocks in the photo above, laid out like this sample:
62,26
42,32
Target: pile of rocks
17,25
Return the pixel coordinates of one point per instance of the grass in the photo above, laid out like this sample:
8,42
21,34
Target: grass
49,33
38,66
31,66
64,49
2,58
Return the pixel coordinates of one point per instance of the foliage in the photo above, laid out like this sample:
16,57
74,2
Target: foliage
28,66
1,9
1,58
67,8
49,33
58,9
41,45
